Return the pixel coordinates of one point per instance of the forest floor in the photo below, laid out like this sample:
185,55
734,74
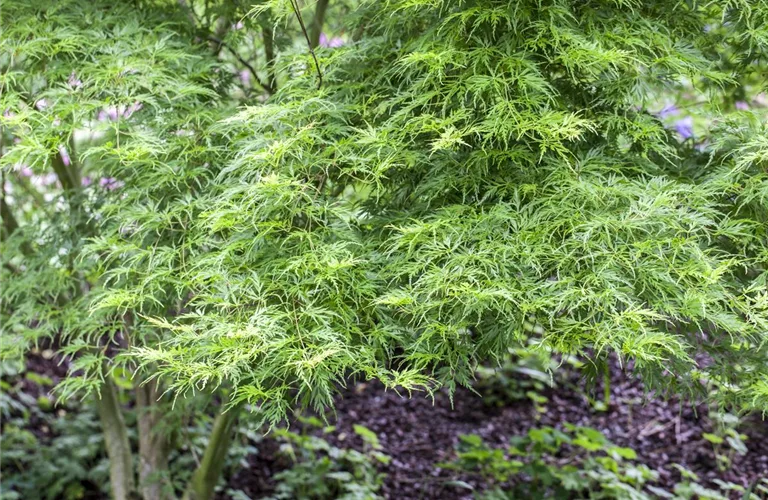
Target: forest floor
418,433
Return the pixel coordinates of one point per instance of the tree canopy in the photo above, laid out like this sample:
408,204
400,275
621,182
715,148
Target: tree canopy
455,177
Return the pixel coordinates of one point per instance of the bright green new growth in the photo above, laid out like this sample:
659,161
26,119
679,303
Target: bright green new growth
464,169
468,168
468,174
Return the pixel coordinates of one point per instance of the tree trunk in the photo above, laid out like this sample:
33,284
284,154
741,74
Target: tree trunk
154,479
317,23
116,441
269,54
205,478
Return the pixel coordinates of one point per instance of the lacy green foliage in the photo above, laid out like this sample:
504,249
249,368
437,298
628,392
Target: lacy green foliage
578,462
465,166
468,165
81,80
322,471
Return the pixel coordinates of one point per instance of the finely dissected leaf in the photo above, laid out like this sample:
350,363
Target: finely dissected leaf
469,174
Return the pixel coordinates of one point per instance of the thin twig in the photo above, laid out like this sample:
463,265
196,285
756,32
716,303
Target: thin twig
245,63
297,11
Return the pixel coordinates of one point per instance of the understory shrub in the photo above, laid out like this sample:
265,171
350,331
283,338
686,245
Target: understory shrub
576,462
47,453
323,471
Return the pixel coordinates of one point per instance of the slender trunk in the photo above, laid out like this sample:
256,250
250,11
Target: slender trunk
607,387
205,478
317,23
269,54
9,221
66,175
116,441
154,479
10,224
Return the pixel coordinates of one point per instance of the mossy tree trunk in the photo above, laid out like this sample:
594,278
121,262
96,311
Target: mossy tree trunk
154,478
205,478
116,441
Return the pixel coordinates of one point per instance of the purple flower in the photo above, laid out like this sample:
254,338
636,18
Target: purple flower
112,113
238,26
684,127
110,183
26,172
65,159
41,104
741,105
49,179
668,110
85,181
245,77
74,81
333,43
136,106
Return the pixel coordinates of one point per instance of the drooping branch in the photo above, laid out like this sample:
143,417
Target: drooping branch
297,11
242,61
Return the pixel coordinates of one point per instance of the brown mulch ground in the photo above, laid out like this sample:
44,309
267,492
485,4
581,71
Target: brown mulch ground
417,434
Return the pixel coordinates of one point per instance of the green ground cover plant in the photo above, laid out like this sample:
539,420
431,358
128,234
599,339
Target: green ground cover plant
577,462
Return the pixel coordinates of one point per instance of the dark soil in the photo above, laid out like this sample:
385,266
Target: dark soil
418,434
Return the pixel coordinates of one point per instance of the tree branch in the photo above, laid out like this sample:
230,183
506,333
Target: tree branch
269,54
242,61
10,224
297,11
